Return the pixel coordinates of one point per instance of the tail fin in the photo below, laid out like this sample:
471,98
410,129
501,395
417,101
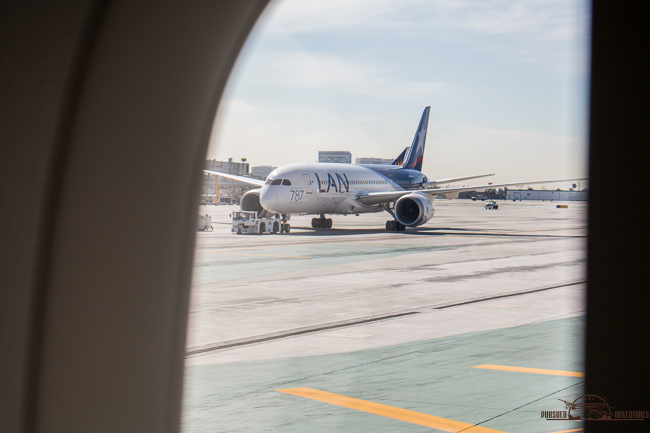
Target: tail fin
416,151
402,156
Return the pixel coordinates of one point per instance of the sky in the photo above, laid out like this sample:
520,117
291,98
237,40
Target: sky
507,82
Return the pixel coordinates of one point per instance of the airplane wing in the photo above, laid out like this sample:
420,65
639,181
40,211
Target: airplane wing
248,180
374,198
456,179
496,185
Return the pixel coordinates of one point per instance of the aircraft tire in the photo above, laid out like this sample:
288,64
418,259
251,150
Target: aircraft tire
286,228
400,227
328,223
276,227
315,223
390,226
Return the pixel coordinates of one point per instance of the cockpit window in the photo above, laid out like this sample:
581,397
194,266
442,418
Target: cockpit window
286,182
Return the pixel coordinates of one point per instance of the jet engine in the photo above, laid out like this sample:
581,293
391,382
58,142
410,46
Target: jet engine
251,202
413,210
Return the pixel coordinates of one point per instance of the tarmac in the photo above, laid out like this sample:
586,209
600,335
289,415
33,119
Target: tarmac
472,322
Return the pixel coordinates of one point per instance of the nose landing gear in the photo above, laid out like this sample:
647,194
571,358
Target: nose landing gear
285,227
321,223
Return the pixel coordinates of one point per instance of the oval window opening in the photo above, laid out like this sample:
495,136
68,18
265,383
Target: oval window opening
294,309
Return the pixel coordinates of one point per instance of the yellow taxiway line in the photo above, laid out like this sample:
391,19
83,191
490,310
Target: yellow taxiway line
568,431
397,413
531,370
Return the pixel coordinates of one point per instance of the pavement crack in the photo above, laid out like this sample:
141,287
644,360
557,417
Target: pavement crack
213,347
523,405
293,333
507,295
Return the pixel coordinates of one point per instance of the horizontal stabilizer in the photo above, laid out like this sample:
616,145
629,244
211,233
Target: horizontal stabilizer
402,156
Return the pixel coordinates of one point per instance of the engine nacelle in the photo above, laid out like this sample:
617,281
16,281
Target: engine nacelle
250,202
413,210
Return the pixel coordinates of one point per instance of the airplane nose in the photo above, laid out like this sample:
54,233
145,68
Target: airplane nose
269,199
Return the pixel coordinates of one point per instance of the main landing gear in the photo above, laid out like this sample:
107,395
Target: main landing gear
395,226
321,223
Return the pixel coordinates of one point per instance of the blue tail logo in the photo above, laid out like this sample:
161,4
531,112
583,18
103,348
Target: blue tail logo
416,151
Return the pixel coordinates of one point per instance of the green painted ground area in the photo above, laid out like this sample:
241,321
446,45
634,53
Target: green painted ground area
433,377
254,262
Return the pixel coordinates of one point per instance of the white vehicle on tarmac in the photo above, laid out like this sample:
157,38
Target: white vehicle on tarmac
249,222
491,204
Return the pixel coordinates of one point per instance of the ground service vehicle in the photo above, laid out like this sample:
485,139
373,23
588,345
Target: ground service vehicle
249,222
491,204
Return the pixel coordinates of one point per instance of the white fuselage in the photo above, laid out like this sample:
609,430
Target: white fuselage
322,188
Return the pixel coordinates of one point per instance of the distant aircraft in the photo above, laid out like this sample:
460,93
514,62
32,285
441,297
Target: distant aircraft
400,189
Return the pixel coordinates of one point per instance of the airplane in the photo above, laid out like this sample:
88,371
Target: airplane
401,189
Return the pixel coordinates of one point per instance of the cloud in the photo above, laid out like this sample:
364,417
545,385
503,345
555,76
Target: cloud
339,74
544,19
313,16
333,75
530,31
315,70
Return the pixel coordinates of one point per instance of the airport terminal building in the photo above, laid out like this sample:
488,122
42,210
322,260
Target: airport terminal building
335,156
371,160
557,195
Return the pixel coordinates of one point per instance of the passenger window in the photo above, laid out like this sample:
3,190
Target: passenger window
240,349
286,182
